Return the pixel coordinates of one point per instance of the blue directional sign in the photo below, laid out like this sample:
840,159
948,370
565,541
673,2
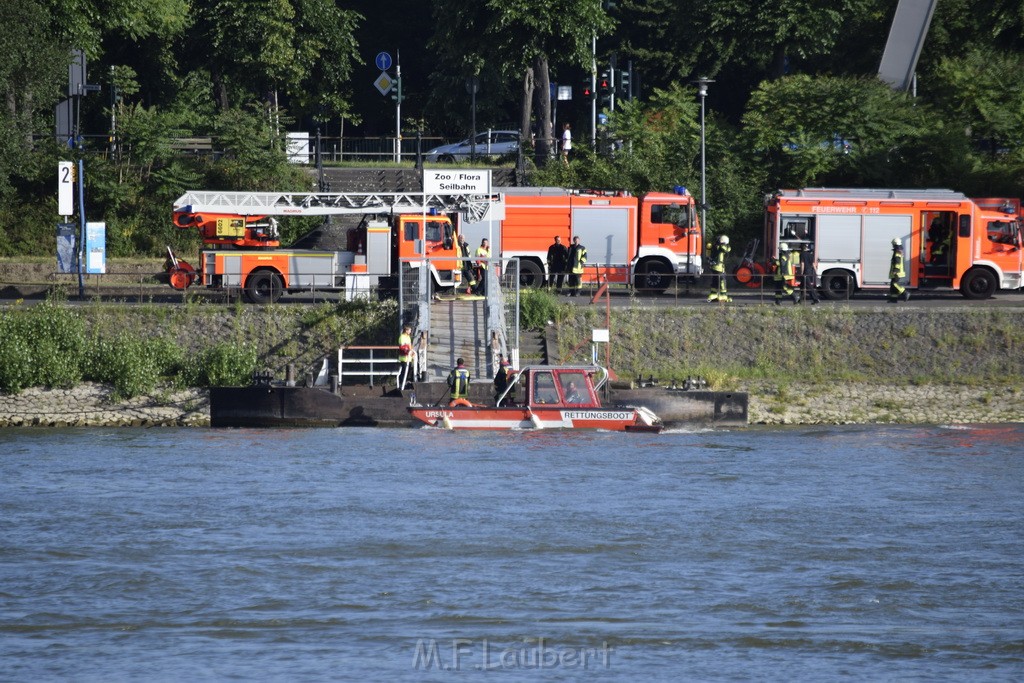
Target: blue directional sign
383,61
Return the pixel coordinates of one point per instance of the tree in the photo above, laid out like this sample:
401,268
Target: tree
808,131
524,37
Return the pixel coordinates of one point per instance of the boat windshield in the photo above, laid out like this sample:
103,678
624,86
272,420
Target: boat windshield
574,387
544,388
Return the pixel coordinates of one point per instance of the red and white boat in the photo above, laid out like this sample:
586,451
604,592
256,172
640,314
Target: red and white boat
550,397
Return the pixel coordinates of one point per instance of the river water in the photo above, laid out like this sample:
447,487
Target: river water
860,553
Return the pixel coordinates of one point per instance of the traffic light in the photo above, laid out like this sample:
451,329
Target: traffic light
396,90
605,89
587,89
625,81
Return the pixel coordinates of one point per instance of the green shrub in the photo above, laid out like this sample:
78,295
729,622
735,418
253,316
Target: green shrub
226,364
41,346
15,356
536,308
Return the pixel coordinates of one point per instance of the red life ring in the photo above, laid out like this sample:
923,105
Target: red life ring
460,402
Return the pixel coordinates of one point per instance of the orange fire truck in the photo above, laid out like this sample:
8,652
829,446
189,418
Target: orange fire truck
644,240
950,241
242,240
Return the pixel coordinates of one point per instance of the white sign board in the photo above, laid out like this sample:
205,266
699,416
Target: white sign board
65,188
455,181
600,335
298,148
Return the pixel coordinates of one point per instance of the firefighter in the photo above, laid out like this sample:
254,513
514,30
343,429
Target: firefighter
468,274
785,275
503,378
808,274
718,253
938,235
558,259
405,356
577,260
483,253
458,384
896,273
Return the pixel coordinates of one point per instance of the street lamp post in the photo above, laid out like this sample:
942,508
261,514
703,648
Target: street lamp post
702,91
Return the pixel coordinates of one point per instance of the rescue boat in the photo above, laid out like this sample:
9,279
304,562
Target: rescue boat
544,397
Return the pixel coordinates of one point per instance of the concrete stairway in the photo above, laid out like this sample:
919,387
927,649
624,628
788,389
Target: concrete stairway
458,329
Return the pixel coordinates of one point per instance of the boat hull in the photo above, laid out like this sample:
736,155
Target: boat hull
522,418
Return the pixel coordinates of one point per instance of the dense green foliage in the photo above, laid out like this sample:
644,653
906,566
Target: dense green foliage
794,100
537,307
47,345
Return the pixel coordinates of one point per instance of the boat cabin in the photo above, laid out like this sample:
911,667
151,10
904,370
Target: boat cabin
564,386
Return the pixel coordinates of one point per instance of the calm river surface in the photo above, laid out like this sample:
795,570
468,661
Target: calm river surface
858,553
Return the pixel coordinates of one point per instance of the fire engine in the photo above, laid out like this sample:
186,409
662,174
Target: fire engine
243,251
644,240
950,241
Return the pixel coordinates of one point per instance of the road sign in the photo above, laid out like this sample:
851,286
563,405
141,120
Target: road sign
65,188
383,61
383,83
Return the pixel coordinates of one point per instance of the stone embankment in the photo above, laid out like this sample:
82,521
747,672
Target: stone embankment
92,405
855,403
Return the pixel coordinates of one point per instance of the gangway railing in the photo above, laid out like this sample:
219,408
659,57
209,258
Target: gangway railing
371,362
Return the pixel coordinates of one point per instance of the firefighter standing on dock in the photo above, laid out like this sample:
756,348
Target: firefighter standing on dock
405,356
577,260
718,253
896,273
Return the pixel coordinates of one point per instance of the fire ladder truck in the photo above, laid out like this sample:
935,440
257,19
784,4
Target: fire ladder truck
242,241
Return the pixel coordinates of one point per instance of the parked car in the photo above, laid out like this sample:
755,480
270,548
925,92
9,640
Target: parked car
492,143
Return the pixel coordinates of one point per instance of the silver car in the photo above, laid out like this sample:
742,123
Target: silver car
492,143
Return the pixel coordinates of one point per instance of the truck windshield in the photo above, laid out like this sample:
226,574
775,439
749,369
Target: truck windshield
673,214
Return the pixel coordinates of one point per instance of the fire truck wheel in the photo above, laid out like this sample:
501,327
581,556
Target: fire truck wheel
979,283
654,277
530,274
264,287
837,285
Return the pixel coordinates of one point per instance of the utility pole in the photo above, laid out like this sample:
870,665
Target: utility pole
702,92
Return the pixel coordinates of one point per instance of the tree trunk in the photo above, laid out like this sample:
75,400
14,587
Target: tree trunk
220,90
526,106
543,104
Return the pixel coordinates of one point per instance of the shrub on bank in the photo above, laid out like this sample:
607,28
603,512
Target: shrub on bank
536,308
43,347
47,346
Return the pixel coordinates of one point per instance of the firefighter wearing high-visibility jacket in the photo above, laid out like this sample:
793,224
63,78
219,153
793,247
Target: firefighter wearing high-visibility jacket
458,384
483,253
405,355
577,260
785,275
896,273
718,253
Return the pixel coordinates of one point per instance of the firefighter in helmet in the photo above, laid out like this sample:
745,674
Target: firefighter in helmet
897,272
718,253
785,275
